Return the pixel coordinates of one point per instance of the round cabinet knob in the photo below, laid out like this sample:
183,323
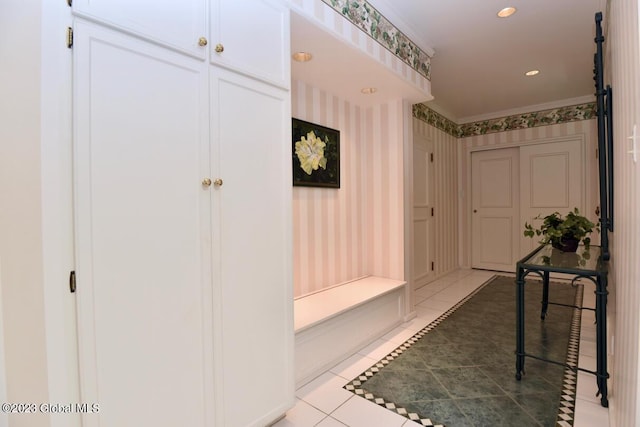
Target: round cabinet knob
219,48
206,182
218,182
475,210
202,41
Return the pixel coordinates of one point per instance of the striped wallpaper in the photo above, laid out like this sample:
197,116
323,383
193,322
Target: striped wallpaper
329,226
622,45
357,230
385,202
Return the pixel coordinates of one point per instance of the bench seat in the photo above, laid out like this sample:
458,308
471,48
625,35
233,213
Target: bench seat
334,323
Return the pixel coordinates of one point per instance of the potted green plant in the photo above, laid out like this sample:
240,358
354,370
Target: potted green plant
564,233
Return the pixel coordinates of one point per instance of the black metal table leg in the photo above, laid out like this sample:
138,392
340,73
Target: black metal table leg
601,338
589,265
545,295
520,323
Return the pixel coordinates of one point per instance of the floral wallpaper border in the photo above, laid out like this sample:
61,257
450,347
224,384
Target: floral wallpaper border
369,20
519,121
437,120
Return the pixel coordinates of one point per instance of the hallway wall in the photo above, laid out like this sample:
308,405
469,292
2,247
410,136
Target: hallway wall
36,248
384,170
330,237
622,48
21,245
357,230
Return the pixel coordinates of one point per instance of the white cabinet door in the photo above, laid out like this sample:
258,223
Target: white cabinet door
252,37
142,225
177,24
423,210
253,284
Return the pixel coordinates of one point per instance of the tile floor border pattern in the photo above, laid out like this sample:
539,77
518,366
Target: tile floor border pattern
355,386
566,411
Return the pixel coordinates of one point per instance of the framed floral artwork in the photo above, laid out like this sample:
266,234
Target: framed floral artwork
316,155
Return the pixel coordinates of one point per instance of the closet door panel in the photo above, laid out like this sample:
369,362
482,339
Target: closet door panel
495,209
253,207
142,232
176,24
553,180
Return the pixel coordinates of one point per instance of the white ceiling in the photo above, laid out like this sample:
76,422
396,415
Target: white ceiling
480,60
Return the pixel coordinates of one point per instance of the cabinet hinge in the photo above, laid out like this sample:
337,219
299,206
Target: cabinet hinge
72,281
431,157
69,37
433,267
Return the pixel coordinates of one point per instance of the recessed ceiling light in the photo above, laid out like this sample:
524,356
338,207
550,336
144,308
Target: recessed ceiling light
368,90
506,12
532,73
301,56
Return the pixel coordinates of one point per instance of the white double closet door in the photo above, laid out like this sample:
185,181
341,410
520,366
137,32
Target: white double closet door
511,186
184,300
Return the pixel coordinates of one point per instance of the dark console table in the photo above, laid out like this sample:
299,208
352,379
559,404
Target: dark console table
585,264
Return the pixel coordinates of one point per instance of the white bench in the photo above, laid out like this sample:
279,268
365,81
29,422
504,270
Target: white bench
334,323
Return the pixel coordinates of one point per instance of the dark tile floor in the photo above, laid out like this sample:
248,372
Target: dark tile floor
462,372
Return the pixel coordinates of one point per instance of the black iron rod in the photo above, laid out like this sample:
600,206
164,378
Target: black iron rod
602,148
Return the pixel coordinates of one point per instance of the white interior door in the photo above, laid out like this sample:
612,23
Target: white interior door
495,214
553,179
423,213
142,221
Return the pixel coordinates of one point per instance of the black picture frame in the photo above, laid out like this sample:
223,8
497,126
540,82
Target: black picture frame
315,155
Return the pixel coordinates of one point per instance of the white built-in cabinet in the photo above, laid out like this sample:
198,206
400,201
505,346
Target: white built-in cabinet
182,189
252,38
248,36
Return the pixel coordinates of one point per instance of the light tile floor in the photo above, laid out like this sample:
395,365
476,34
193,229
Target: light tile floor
324,403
